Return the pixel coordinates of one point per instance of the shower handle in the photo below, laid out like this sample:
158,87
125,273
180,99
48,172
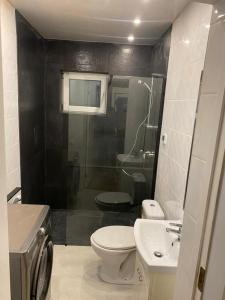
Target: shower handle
148,154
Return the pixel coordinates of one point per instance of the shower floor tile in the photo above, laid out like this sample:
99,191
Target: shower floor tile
80,225
75,227
75,277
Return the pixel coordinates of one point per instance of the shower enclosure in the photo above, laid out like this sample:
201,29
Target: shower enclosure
113,152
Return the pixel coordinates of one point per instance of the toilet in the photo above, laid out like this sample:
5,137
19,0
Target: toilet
115,245
121,201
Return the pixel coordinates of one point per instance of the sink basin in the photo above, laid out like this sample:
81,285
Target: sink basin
130,159
157,248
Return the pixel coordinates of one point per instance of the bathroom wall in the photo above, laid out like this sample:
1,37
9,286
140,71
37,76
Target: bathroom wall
160,54
136,112
204,168
5,11
188,46
31,72
79,56
47,157
10,94
159,65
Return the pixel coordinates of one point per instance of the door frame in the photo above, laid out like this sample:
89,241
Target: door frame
4,249
214,198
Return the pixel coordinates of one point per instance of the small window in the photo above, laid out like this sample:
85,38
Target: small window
84,93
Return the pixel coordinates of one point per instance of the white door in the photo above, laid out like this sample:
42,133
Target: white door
4,246
214,288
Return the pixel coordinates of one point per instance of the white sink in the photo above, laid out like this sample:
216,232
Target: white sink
130,159
151,239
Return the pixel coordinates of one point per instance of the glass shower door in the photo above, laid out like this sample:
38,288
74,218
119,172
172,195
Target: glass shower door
114,153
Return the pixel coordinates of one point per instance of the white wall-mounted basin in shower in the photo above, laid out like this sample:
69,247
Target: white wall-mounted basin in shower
130,159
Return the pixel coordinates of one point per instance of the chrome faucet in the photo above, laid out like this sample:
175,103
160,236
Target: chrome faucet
148,154
177,231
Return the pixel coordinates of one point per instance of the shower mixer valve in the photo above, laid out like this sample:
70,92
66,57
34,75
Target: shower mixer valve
148,154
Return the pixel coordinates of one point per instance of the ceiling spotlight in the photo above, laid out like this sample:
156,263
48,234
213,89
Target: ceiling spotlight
130,38
137,21
126,50
186,41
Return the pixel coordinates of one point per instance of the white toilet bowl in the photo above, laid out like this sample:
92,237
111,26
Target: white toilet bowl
115,245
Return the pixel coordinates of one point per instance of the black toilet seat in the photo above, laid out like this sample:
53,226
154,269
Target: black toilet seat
113,201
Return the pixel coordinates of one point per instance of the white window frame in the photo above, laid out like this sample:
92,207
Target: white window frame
90,110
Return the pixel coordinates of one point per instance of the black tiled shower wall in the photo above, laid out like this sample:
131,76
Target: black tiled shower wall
159,65
31,74
79,56
160,54
43,127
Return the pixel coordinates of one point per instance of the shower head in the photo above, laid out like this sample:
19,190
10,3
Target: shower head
145,84
150,89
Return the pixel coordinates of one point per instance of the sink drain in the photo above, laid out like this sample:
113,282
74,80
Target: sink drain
158,254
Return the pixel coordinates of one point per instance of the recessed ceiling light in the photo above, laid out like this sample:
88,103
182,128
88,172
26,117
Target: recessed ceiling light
130,38
186,41
137,21
126,50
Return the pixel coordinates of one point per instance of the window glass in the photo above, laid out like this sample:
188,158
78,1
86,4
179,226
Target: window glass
84,92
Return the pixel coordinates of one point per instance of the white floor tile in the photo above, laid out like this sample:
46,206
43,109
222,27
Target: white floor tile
75,277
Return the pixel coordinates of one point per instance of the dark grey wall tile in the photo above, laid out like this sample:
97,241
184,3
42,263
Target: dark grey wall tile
159,65
79,56
43,127
130,60
160,54
31,77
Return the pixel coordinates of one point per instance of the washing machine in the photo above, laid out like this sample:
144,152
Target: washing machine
31,251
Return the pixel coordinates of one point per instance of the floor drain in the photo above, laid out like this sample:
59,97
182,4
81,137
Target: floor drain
158,254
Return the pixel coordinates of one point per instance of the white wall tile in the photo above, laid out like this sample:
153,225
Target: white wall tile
13,178
189,232
213,74
10,94
183,289
14,161
188,259
12,137
181,115
207,125
11,105
197,181
4,249
176,179
179,147
187,54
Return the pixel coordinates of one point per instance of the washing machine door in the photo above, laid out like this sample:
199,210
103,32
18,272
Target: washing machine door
43,271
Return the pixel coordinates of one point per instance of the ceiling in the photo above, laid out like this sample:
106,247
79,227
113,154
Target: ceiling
101,20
